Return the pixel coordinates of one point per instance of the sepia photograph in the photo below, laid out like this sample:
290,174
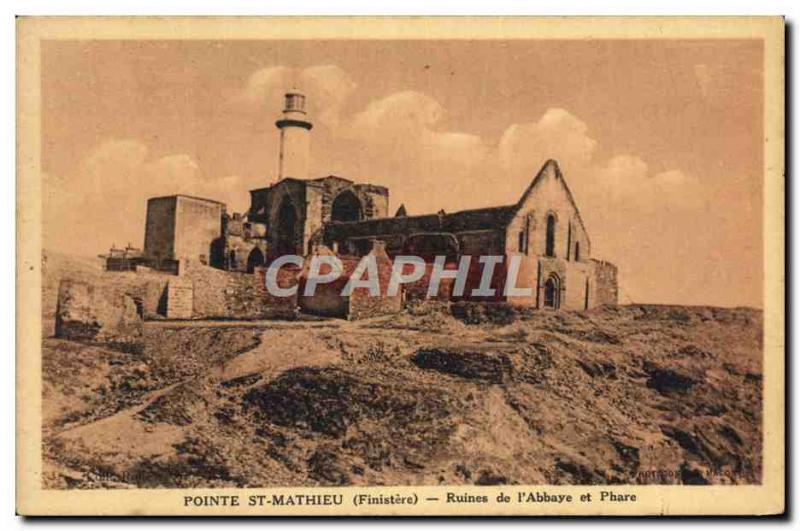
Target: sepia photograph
398,266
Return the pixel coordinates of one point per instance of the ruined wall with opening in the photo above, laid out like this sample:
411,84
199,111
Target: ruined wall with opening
328,298
548,267
376,200
287,217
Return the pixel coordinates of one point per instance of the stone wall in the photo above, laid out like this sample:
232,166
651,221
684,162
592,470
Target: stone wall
330,186
479,231
376,203
327,298
315,198
551,267
159,232
145,288
229,295
238,251
577,291
259,201
208,293
549,196
484,242
290,192
418,290
98,313
327,301
605,283
180,298
198,225
364,305
241,238
180,227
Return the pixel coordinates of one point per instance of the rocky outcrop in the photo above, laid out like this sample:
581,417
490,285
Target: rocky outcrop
491,363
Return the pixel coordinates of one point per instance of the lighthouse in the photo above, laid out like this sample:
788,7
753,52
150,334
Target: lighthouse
295,131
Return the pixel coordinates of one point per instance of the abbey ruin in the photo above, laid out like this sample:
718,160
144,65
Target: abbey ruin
305,216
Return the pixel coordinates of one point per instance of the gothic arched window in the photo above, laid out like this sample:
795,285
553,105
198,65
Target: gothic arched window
346,207
550,242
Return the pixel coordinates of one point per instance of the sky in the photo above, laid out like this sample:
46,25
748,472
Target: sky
660,141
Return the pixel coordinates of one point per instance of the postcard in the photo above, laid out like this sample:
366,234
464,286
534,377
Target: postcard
400,266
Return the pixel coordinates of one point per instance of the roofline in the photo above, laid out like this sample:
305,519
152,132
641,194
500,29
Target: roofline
316,181
186,196
331,176
417,216
309,182
560,176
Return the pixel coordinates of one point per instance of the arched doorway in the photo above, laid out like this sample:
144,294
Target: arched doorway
285,239
346,207
255,259
550,244
552,292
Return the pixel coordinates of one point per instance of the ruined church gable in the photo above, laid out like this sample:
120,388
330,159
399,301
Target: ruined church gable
547,207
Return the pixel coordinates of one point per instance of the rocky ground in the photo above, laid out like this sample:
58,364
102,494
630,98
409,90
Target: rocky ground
632,394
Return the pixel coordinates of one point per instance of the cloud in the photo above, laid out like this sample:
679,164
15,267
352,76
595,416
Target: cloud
653,225
627,179
403,138
109,168
327,88
263,85
172,168
401,141
558,134
411,121
404,141
402,112
678,189
104,200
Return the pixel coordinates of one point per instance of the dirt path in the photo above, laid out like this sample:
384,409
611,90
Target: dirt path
262,323
281,348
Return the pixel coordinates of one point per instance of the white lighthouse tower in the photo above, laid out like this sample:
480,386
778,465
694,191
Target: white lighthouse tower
295,137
